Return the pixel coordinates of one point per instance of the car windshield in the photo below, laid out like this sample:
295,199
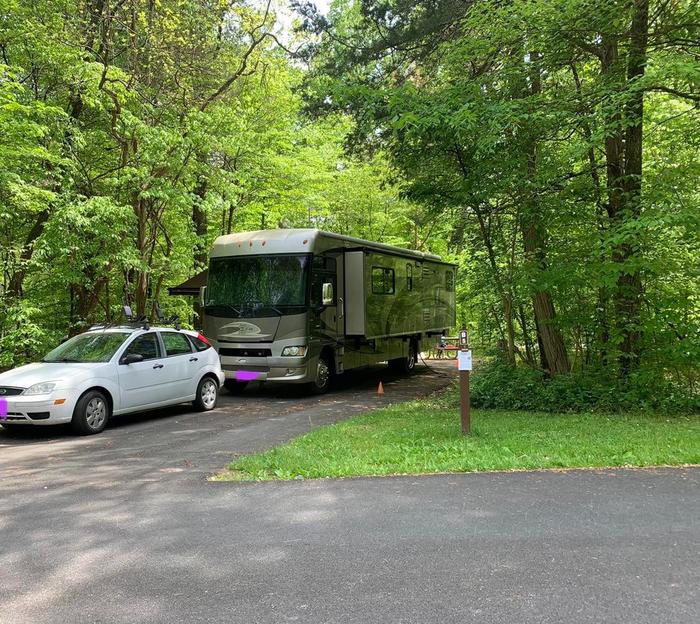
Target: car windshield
257,285
91,347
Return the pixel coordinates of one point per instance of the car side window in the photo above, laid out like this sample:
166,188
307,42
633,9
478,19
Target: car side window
175,344
146,345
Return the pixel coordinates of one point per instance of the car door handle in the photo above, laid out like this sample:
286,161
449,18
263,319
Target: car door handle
157,366
193,359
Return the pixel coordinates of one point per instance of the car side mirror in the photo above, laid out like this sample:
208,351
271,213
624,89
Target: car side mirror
202,295
327,294
132,358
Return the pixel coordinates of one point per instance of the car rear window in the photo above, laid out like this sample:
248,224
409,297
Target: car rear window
198,344
176,344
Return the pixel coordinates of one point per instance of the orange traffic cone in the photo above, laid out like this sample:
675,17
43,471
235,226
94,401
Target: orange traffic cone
380,389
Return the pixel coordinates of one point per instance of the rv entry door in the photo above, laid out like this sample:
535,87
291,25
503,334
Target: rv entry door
327,295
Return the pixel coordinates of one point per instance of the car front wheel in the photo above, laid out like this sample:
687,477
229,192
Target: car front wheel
91,413
207,394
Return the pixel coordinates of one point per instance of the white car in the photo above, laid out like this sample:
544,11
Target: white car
111,371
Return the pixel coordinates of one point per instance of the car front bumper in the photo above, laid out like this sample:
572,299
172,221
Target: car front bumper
37,410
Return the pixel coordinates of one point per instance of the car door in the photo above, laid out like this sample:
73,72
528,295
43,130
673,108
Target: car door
143,383
182,364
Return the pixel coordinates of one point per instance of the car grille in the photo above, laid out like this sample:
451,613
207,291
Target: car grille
5,391
245,352
244,367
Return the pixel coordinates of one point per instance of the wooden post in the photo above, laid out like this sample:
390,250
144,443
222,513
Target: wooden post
464,363
464,396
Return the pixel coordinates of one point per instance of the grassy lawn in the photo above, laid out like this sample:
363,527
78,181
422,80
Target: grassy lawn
424,437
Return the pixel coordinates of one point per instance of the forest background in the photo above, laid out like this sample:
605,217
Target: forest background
550,147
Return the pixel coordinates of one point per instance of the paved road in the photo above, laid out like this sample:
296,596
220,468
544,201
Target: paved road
92,530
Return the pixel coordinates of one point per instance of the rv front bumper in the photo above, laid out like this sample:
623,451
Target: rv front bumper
287,369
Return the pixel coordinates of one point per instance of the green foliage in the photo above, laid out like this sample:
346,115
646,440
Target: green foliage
498,135
131,138
497,385
516,125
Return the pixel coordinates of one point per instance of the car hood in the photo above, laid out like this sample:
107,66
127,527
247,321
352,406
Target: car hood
64,373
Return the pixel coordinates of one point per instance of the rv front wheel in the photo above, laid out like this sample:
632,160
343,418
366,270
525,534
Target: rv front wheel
323,376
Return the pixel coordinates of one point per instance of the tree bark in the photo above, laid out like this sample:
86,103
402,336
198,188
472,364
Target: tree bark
553,352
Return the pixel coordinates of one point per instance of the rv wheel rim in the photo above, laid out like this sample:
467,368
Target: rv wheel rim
323,374
412,358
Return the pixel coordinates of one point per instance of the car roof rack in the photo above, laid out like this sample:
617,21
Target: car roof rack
140,321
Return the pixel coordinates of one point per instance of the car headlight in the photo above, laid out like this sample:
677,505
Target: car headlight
294,351
41,388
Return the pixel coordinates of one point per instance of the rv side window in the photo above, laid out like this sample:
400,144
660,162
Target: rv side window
449,281
409,276
383,281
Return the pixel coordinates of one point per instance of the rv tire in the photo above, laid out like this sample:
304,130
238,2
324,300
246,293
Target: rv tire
405,365
324,375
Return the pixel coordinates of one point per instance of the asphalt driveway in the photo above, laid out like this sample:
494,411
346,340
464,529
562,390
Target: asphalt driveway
179,442
124,528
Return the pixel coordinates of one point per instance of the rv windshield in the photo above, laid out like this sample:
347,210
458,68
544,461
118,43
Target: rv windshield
257,285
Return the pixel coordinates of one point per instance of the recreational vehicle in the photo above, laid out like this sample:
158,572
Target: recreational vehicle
303,305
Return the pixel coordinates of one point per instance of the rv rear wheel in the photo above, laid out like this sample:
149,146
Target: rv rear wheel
406,364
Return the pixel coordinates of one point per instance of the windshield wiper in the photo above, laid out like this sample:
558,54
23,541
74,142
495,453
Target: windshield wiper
257,305
60,361
211,307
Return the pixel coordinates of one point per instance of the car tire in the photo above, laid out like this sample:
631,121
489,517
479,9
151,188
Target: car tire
324,376
207,394
235,387
405,365
91,413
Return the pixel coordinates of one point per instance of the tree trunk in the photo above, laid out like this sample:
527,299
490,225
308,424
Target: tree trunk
552,348
628,295
553,353
199,220
141,285
623,152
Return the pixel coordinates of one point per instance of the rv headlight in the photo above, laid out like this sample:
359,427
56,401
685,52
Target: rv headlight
294,351
40,388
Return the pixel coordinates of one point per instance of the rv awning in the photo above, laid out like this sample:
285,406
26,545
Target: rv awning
191,287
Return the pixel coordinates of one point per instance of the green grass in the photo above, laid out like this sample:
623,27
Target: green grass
424,437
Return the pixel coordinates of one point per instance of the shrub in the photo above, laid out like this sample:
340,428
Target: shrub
500,386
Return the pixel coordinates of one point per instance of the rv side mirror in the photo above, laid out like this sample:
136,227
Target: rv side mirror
327,294
202,295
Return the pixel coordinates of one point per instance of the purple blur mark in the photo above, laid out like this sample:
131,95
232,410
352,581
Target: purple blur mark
246,375
3,409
